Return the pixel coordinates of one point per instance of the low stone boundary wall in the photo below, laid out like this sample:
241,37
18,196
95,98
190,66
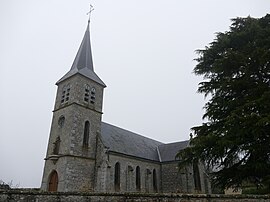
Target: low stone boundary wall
21,195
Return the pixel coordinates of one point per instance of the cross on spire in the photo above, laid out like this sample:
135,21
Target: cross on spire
89,13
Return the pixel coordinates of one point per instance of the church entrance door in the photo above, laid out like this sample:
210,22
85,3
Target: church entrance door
53,183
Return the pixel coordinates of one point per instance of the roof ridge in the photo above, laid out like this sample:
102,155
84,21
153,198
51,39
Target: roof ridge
183,141
159,156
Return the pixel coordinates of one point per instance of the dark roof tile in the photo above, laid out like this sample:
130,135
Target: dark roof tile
129,143
125,142
168,151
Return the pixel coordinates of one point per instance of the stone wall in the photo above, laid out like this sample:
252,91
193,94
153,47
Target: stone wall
106,174
73,162
169,177
35,195
175,180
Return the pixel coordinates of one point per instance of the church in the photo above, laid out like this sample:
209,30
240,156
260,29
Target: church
85,154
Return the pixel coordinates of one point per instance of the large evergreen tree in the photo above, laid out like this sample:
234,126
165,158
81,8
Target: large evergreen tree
235,137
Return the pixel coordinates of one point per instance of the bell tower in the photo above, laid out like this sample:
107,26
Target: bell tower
71,152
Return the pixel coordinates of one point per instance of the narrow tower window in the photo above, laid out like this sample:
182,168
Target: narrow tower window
93,95
86,93
117,177
138,178
61,121
155,180
65,94
196,176
86,134
56,146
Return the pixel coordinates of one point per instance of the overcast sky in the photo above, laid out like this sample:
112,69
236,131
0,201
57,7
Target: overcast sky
142,49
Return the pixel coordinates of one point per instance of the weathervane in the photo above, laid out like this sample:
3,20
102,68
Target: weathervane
89,13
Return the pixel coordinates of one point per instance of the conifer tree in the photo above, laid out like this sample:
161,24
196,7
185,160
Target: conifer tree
235,136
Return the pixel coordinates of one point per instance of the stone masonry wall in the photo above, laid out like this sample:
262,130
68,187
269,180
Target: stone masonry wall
106,171
174,180
34,195
182,181
73,162
128,173
169,178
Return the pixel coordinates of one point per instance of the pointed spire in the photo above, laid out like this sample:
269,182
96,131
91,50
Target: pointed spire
84,56
83,62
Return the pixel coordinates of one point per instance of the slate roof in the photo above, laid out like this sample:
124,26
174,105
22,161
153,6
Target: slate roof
125,142
83,62
168,151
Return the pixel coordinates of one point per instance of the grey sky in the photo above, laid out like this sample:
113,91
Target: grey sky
142,49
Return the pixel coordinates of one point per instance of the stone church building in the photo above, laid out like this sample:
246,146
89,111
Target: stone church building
85,154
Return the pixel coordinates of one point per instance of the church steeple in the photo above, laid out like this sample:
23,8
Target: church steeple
83,62
83,58
76,122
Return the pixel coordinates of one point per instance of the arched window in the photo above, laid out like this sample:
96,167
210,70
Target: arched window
138,178
86,93
117,177
61,121
196,176
86,133
65,94
154,180
93,95
53,181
